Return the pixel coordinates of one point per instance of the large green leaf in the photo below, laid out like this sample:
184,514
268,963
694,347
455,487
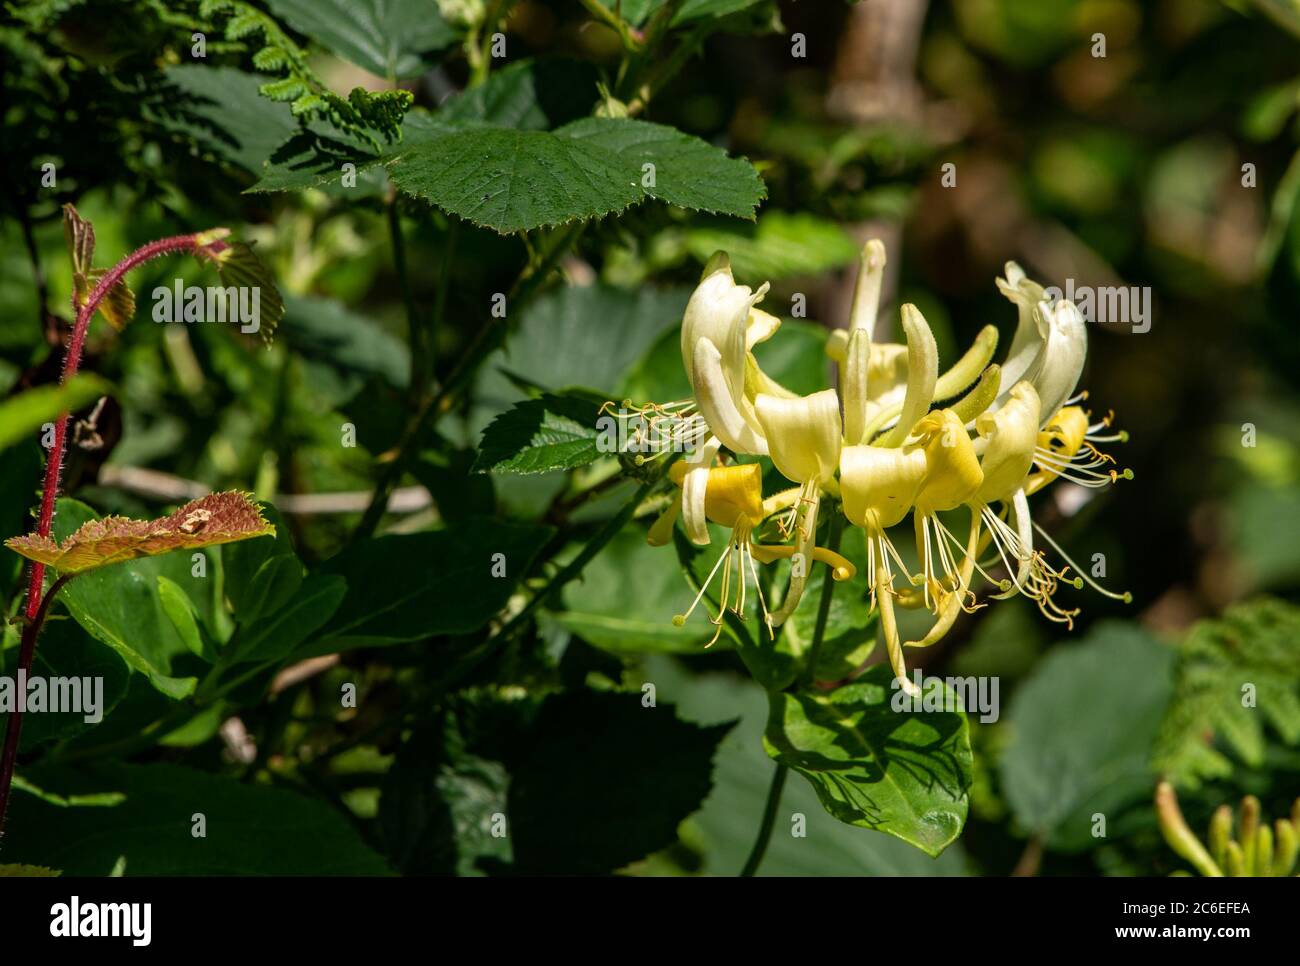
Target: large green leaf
24,414
277,634
903,772
407,587
540,435
1234,674
220,111
627,597
1082,727
67,651
120,605
145,816
806,840
631,772
511,180
390,38
261,576
686,172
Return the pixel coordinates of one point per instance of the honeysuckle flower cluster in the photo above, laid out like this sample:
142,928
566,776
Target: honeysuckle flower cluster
898,437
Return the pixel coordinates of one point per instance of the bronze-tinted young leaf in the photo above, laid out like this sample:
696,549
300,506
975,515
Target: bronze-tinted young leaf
118,306
80,235
239,267
205,522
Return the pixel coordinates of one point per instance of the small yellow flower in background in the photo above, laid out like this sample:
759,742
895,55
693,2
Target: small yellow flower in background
898,437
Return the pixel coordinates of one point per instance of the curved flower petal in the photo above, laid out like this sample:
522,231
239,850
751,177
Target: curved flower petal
878,485
695,487
718,405
1012,435
803,434
952,470
1030,336
1058,368
922,374
854,382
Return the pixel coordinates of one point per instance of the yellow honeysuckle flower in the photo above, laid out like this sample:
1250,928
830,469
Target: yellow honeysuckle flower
733,497
879,486
804,439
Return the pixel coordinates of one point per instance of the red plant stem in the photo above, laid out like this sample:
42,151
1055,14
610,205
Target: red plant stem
71,363
26,657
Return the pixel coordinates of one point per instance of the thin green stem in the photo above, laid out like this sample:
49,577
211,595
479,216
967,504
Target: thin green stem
834,531
769,820
431,409
420,359
569,572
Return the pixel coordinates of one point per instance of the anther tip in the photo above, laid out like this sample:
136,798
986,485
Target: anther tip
679,620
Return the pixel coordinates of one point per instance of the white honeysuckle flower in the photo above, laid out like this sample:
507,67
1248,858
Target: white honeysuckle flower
1050,345
804,438
715,353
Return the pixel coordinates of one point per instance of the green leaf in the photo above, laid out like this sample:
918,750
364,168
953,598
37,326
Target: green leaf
1252,650
629,772
328,331
120,606
695,10
411,586
251,829
392,39
261,576
220,111
67,651
530,95
627,597
1082,727
585,338
780,245
24,414
905,773
687,172
539,435
278,634
723,830
512,181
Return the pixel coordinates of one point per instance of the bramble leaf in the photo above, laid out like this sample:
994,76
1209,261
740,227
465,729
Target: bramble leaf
205,522
540,435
